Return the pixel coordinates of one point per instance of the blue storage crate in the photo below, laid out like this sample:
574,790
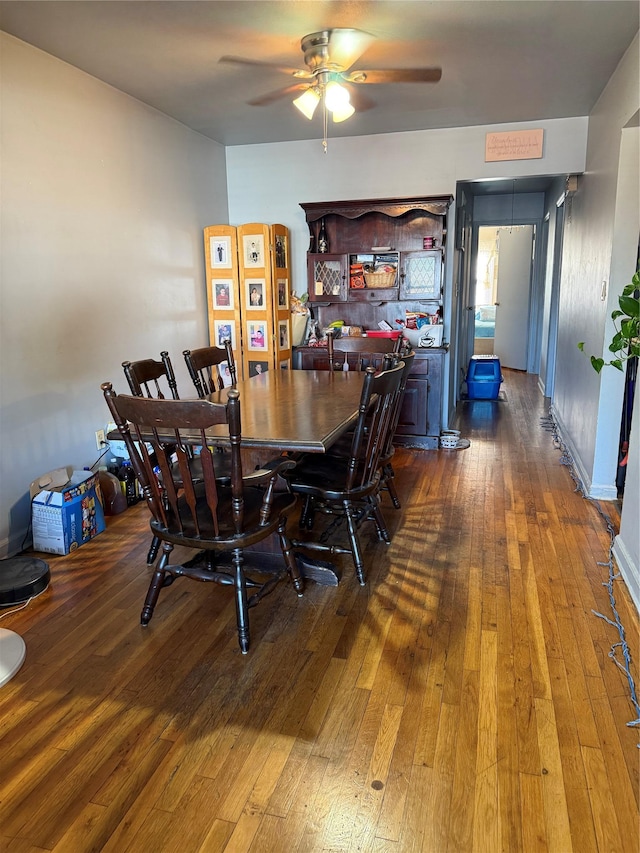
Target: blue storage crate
484,367
482,390
483,377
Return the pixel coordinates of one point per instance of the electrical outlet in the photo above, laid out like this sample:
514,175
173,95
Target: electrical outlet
101,439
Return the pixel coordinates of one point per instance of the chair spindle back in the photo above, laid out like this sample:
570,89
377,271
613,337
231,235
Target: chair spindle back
143,377
204,367
375,415
153,427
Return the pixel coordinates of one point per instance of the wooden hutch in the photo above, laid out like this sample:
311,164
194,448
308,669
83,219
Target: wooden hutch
389,233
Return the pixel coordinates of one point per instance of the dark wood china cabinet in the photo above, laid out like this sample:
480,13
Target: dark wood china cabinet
384,257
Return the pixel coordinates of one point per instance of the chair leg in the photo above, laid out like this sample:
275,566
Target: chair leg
381,524
242,608
153,551
306,514
356,551
157,582
289,558
389,475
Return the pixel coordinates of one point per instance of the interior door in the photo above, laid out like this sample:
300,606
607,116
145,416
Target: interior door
515,253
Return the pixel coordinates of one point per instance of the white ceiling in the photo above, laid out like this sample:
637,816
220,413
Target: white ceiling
504,61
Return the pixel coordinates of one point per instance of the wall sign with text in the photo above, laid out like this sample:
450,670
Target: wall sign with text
514,145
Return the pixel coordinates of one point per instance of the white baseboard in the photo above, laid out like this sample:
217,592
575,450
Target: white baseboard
630,573
597,491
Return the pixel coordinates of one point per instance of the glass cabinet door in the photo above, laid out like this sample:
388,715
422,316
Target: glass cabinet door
421,276
327,277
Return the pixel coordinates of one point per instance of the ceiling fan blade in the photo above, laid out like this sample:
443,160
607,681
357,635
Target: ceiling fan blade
270,97
347,45
294,72
395,75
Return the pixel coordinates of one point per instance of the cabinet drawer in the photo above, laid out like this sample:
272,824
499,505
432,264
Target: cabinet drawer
373,294
420,367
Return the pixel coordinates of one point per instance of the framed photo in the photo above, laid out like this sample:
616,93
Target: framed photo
223,293
225,373
281,250
224,331
257,336
253,250
283,293
255,298
220,249
256,368
283,334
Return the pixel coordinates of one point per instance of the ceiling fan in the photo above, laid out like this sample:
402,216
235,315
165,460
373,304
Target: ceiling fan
329,55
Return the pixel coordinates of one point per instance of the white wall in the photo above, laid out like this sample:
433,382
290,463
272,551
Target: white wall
268,182
102,209
600,245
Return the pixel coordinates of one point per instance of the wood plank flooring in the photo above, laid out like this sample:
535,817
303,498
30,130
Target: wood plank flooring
463,700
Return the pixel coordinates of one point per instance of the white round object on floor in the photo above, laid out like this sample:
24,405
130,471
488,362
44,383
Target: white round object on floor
12,652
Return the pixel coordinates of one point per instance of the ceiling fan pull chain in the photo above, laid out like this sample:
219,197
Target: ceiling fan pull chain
325,120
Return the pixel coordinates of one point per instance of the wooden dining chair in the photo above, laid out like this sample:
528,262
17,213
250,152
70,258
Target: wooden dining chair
360,352
218,519
150,378
348,487
387,475
204,366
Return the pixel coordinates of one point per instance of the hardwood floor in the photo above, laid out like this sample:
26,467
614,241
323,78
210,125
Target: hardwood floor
463,700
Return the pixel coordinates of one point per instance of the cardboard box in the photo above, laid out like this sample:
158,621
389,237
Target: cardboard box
66,510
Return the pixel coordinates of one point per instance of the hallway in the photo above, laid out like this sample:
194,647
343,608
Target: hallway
463,700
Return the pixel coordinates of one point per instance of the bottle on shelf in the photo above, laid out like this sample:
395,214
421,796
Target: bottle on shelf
323,242
128,482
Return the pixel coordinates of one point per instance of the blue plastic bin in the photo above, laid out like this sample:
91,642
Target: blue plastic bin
483,377
481,390
485,367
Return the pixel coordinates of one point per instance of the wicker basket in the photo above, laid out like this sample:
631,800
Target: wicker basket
380,279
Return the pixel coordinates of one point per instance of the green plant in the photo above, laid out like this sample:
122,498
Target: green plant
625,344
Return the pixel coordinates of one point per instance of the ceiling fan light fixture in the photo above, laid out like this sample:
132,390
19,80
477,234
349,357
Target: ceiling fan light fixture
342,112
307,102
336,96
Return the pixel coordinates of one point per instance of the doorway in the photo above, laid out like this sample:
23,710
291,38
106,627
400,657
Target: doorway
503,272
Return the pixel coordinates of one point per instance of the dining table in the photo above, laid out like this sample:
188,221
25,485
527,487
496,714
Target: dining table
297,411
292,411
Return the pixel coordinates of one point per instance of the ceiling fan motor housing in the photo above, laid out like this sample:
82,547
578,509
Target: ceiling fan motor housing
316,50
333,50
